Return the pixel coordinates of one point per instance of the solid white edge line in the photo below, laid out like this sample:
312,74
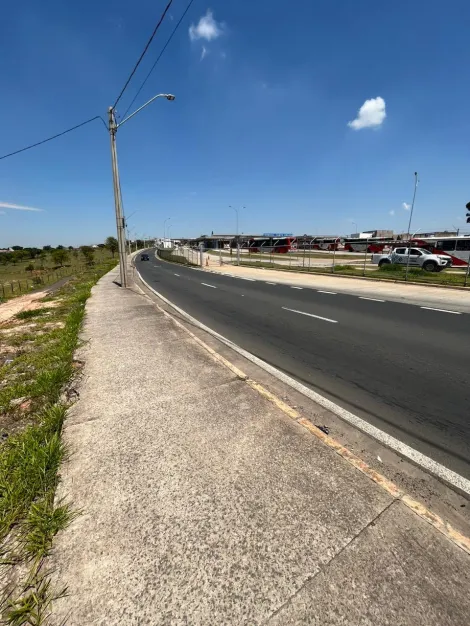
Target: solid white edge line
211,286
373,299
325,319
253,280
433,467
271,283
333,293
430,308
292,287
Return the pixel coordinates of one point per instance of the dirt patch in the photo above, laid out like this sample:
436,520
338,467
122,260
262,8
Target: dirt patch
28,302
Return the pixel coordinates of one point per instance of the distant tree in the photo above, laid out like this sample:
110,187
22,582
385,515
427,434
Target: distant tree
112,244
5,257
101,245
47,248
88,253
29,268
60,248
33,252
59,256
17,247
70,247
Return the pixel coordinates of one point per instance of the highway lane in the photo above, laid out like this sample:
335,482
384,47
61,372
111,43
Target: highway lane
400,367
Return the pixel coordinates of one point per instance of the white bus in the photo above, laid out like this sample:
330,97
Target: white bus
458,248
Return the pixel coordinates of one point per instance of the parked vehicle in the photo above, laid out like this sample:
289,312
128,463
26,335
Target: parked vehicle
418,257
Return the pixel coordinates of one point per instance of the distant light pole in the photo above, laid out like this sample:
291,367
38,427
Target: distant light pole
120,221
164,227
127,228
237,235
409,226
355,225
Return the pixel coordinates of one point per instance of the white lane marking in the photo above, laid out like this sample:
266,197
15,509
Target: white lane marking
373,299
296,287
177,275
430,308
435,468
325,319
253,280
333,293
271,283
206,285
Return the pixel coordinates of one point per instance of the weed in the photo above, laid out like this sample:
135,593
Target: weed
26,315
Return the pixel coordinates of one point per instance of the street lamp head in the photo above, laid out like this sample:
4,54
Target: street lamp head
170,97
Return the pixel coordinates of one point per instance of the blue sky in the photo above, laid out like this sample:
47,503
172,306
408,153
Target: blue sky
264,94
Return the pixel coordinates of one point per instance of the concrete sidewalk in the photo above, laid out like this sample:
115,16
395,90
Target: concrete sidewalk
204,503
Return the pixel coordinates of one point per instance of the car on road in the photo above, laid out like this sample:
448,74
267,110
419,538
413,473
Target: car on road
144,257
418,257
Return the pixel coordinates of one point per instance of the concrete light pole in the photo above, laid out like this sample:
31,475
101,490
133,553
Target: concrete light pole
237,233
120,221
409,225
164,227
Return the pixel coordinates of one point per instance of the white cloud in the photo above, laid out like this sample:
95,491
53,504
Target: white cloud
371,114
18,207
392,212
207,28
203,52
406,206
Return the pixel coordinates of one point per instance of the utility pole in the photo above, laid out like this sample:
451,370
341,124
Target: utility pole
120,223
409,226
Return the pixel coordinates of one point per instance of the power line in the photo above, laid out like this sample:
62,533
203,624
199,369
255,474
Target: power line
159,57
143,53
97,117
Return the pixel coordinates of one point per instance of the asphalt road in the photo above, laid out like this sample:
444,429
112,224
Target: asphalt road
402,368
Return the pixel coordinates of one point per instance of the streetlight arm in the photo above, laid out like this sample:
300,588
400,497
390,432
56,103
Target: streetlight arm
168,96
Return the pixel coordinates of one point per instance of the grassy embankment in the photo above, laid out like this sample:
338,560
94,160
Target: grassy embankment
36,367
15,279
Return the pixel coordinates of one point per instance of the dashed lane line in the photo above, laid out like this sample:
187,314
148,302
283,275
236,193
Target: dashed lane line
207,285
318,317
373,299
333,293
430,308
292,287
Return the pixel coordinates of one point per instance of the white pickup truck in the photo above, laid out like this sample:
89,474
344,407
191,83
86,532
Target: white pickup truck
418,258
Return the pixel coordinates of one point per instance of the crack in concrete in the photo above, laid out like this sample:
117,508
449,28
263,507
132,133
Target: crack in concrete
326,565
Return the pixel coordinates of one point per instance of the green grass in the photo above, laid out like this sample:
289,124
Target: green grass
26,315
15,279
30,457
